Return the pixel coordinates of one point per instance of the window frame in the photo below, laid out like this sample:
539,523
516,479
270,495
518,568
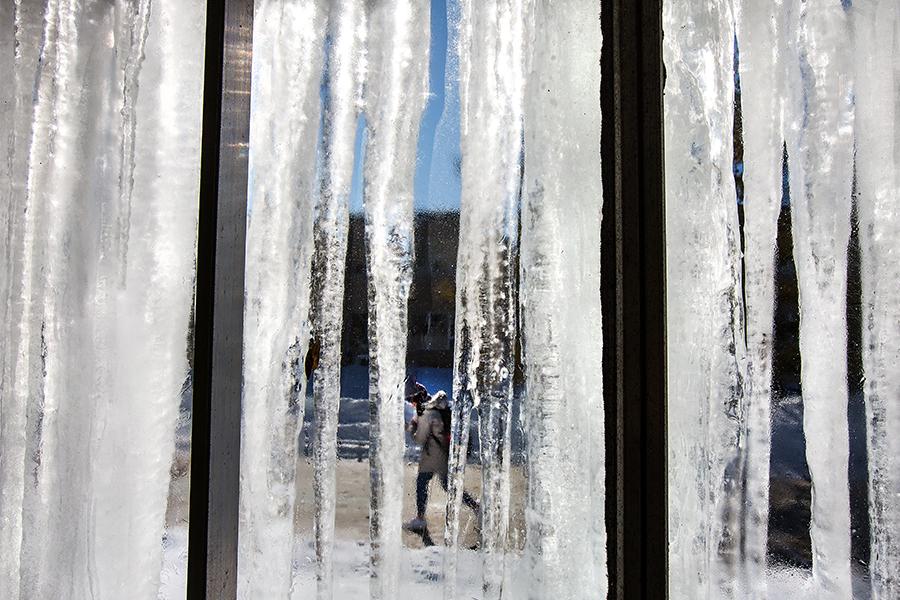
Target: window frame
632,293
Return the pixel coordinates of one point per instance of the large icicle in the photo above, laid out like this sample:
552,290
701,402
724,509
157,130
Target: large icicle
397,83
159,116
287,66
492,85
7,103
100,358
560,296
346,30
159,207
70,295
877,51
26,236
820,151
761,40
21,48
704,314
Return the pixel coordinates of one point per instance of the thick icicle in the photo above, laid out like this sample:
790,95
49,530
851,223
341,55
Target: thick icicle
287,66
7,102
492,86
102,358
761,40
69,297
877,93
16,40
396,88
560,296
704,314
26,235
820,151
346,30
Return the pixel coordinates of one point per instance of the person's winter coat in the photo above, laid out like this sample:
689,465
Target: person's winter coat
431,437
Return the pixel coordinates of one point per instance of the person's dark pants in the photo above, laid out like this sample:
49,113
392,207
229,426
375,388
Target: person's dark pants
422,482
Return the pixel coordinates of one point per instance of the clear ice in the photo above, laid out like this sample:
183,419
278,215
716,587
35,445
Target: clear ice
706,351
876,31
820,151
98,254
344,69
560,303
396,89
492,87
287,70
762,57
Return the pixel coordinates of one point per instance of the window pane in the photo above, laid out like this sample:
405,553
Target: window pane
101,119
424,208
782,219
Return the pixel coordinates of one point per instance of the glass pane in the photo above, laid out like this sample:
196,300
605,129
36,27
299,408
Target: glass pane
423,254
782,174
100,115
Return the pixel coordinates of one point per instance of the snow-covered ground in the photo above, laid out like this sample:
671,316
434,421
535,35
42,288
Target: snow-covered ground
421,572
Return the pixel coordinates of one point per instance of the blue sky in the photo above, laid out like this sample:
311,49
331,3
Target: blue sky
437,184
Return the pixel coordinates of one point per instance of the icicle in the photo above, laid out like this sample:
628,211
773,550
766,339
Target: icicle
346,30
288,49
26,235
57,481
877,90
132,39
7,102
560,296
395,97
99,369
820,151
147,356
761,41
704,313
10,415
443,176
492,87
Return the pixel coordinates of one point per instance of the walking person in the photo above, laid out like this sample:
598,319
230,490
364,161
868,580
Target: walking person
430,428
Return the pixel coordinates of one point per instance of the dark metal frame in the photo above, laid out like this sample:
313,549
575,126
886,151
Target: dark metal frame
633,293
634,311
219,312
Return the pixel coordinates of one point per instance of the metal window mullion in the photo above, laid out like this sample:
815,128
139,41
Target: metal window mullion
634,298
218,323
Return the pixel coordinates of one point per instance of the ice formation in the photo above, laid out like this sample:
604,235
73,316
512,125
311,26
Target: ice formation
345,68
877,93
396,88
98,258
287,67
836,111
820,150
492,88
762,58
560,304
706,351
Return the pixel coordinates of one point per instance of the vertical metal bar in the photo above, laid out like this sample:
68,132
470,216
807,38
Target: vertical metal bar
634,270
218,325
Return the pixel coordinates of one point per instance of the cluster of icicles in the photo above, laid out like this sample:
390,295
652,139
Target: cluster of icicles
318,68
820,78
100,122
